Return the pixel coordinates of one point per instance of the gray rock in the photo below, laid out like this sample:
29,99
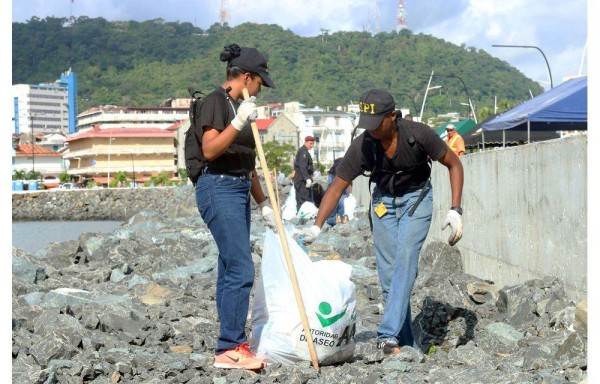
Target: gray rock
138,306
24,269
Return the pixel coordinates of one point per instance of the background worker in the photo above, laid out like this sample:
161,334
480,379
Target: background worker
454,140
401,205
303,172
223,193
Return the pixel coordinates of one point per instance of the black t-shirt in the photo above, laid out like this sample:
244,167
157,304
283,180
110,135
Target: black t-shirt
217,111
410,159
336,162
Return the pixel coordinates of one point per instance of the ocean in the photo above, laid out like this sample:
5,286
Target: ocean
34,236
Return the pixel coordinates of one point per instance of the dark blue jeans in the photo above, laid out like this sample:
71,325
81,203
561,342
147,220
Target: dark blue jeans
224,204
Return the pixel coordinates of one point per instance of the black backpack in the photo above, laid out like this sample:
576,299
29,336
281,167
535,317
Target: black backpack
317,192
192,147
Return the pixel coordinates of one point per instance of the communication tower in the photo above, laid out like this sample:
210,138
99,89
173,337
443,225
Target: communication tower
401,17
377,16
224,13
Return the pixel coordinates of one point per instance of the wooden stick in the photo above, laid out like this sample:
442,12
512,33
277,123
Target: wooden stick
276,187
284,244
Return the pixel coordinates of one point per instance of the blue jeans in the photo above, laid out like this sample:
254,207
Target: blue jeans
398,238
339,208
224,204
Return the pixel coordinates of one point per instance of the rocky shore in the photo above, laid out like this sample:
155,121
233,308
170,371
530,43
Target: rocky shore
137,306
100,204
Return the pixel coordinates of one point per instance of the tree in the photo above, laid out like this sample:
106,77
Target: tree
278,155
160,179
18,174
33,175
484,113
64,177
120,178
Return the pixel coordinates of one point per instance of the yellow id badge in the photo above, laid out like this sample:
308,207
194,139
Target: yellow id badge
380,210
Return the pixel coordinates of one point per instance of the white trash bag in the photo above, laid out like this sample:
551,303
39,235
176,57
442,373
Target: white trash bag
307,211
288,211
329,301
349,206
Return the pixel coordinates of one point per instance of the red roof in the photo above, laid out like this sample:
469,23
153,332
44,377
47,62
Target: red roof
263,124
175,126
24,150
123,132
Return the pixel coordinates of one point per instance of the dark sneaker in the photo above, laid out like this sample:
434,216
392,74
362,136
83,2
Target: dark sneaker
389,346
239,358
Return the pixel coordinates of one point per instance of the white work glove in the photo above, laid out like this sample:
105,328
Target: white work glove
308,183
454,220
268,215
309,235
245,112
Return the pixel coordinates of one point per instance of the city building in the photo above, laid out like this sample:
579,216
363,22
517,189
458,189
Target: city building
331,129
47,107
37,158
282,130
110,116
99,154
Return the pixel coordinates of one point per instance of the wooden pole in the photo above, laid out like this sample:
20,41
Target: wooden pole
276,187
284,244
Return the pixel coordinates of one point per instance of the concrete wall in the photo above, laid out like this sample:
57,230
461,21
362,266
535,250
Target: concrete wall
525,212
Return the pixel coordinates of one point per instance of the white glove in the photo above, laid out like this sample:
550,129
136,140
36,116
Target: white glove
308,183
245,112
309,235
268,215
454,220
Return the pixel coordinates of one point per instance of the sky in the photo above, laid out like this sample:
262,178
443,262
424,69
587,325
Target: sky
557,27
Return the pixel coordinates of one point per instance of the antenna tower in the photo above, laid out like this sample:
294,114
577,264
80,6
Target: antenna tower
224,13
376,16
401,17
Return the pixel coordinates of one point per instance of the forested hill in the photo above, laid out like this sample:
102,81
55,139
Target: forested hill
144,63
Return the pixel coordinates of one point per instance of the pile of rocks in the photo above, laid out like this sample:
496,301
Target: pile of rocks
117,204
138,306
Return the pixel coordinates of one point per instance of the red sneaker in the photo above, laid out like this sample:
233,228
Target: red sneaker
239,357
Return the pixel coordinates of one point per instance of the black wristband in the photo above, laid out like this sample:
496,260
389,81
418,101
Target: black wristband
457,209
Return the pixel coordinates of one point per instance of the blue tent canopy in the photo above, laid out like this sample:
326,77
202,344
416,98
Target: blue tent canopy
565,104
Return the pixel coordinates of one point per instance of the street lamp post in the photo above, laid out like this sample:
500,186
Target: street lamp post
110,139
412,100
32,146
425,96
133,170
332,140
529,46
466,91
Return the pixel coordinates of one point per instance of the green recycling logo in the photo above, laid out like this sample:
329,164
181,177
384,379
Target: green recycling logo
325,309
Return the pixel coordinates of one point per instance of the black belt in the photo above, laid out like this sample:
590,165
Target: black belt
243,175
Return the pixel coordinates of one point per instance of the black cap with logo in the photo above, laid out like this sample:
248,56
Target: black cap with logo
374,105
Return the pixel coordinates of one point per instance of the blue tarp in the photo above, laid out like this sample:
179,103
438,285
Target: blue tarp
565,104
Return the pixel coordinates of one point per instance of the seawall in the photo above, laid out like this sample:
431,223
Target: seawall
101,204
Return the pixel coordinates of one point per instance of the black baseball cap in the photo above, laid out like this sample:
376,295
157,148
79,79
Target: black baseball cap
252,60
374,105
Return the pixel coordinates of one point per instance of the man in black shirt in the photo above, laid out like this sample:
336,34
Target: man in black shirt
303,167
398,152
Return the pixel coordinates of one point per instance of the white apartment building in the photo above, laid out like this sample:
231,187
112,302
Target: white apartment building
43,106
46,108
110,116
333,129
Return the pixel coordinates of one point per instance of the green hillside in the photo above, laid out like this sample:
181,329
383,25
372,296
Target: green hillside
144,63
